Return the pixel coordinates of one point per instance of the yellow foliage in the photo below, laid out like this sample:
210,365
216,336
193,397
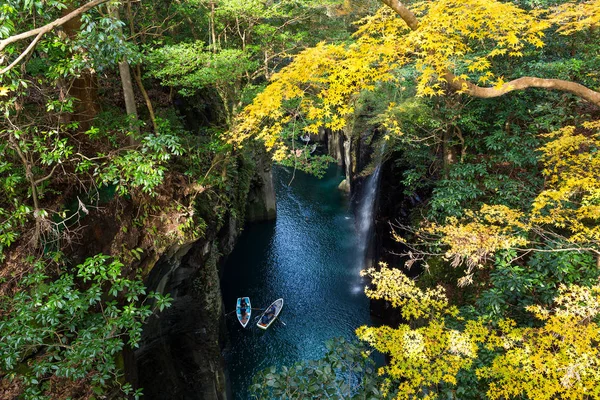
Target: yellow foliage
423,358
570,203
561,359
451,30
319,87
558,359
394,286
572,197
477,237
572,17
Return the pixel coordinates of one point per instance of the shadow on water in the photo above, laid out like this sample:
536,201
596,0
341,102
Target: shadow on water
310,257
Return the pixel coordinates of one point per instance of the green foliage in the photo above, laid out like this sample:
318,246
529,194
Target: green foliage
104,41
303,160
514,286
12,222
496,161
345,372
140,168
73,327
190,66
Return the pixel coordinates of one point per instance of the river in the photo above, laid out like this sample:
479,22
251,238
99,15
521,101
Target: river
310,257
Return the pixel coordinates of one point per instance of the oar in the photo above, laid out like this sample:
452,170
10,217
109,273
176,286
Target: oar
284,324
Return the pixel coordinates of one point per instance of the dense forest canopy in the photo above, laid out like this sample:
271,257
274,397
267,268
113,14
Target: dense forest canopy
490,112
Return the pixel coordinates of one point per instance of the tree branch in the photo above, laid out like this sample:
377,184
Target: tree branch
404,13
48,27
37,182
490,92
520,84
23,54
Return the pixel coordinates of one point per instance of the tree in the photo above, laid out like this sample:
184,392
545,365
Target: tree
441,354
563,217
72,328
9,10
247,42
127,83
191,67
454,45
44,132
523,256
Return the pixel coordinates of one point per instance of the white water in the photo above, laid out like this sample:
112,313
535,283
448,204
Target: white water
365,219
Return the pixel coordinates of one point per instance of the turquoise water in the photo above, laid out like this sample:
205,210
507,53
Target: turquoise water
309,257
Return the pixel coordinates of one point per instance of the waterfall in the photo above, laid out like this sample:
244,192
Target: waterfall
365,217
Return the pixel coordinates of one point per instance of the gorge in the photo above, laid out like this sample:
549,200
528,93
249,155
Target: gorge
431,165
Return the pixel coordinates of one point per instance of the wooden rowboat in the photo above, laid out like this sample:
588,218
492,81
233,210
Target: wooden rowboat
270,314
243,310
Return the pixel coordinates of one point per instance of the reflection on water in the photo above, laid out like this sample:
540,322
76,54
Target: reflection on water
310,258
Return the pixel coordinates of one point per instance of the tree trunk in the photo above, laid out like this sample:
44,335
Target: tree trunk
129,96
212,26
137,73
85,87
138,78
127,84
449,156
34,193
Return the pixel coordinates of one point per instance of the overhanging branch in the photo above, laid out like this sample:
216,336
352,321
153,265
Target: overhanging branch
407,15
489,92
23,54
41,31
523,83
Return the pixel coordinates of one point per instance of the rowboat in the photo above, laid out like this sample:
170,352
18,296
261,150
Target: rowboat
243,310
270,314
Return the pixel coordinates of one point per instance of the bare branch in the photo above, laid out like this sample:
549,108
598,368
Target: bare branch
37,182
49,27
523,83
23,54
489,92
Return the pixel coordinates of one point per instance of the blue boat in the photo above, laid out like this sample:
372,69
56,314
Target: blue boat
243,310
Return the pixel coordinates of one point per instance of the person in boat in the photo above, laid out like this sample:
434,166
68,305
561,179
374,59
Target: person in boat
243,304
268,315
271,312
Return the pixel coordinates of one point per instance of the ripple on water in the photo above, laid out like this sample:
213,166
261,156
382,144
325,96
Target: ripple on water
309,257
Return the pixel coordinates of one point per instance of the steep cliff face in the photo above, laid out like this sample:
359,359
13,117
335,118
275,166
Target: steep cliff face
352,150
261,204
180,353
335,146
179,357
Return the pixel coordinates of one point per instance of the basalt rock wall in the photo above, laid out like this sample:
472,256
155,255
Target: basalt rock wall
352,150
180,353
261,204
